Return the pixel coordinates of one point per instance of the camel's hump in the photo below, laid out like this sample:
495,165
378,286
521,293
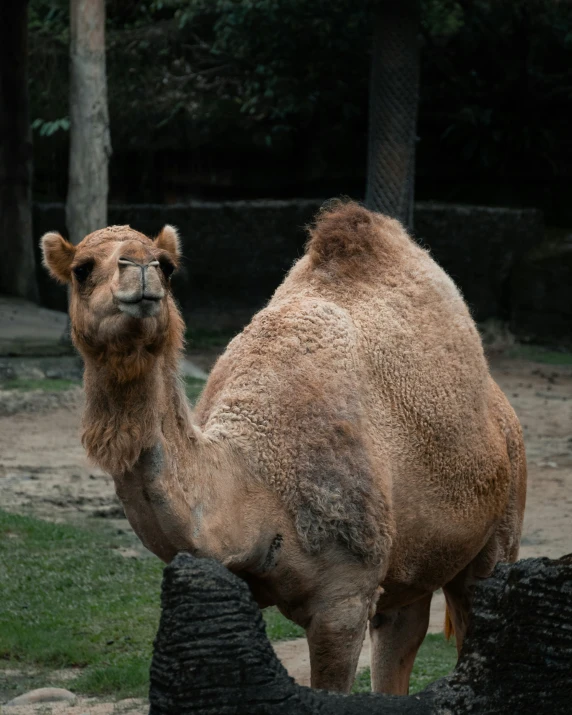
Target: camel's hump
348,236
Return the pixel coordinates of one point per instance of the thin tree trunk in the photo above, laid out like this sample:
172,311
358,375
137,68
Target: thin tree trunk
394,90
90,145
17,264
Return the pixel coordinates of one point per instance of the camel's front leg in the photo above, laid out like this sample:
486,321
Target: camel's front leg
335,637
396,635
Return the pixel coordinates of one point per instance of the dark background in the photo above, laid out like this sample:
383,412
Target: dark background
220,108
213,99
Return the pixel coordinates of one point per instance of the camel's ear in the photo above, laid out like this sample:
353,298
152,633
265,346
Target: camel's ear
169,241
58,256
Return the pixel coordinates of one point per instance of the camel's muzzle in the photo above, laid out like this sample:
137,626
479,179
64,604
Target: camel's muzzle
140,289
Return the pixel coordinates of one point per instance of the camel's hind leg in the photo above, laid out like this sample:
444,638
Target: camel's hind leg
396,635
502,546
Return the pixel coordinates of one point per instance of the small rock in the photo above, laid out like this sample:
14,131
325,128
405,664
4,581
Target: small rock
43,695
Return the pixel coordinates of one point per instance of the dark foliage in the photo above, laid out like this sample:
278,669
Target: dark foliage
496,97
269,97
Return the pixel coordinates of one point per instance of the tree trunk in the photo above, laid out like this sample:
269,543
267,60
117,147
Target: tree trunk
90,146
17,264
394,90
211,654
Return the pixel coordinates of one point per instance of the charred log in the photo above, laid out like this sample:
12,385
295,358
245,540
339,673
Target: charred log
212,654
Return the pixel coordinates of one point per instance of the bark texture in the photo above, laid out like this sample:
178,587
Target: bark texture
17,264
212,655
394,91
90,145
518,653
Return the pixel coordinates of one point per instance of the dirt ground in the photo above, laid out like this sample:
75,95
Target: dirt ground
43,470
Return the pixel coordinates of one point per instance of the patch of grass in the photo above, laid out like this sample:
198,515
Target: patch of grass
362,683
537,353
193,388
69,600
129,676
436,658
46,384
279,628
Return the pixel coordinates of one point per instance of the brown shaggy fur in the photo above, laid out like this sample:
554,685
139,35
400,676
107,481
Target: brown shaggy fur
350,453
346,239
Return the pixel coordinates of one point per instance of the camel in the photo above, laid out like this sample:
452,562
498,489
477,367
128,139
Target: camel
350,453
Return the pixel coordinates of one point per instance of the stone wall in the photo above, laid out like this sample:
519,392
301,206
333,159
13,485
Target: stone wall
479,247
541,294
237,253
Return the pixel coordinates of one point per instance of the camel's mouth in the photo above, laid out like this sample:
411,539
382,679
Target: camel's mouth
140,308
139,290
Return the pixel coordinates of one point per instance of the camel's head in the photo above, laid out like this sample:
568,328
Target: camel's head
120,287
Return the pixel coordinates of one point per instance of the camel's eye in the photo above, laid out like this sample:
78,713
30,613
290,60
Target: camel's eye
167,267
82,271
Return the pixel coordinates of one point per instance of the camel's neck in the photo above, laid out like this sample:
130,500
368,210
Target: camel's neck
141,433
125,419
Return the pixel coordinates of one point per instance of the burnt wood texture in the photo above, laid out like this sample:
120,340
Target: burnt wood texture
212,655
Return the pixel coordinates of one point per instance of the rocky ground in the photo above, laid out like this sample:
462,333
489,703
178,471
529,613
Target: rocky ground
43,471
